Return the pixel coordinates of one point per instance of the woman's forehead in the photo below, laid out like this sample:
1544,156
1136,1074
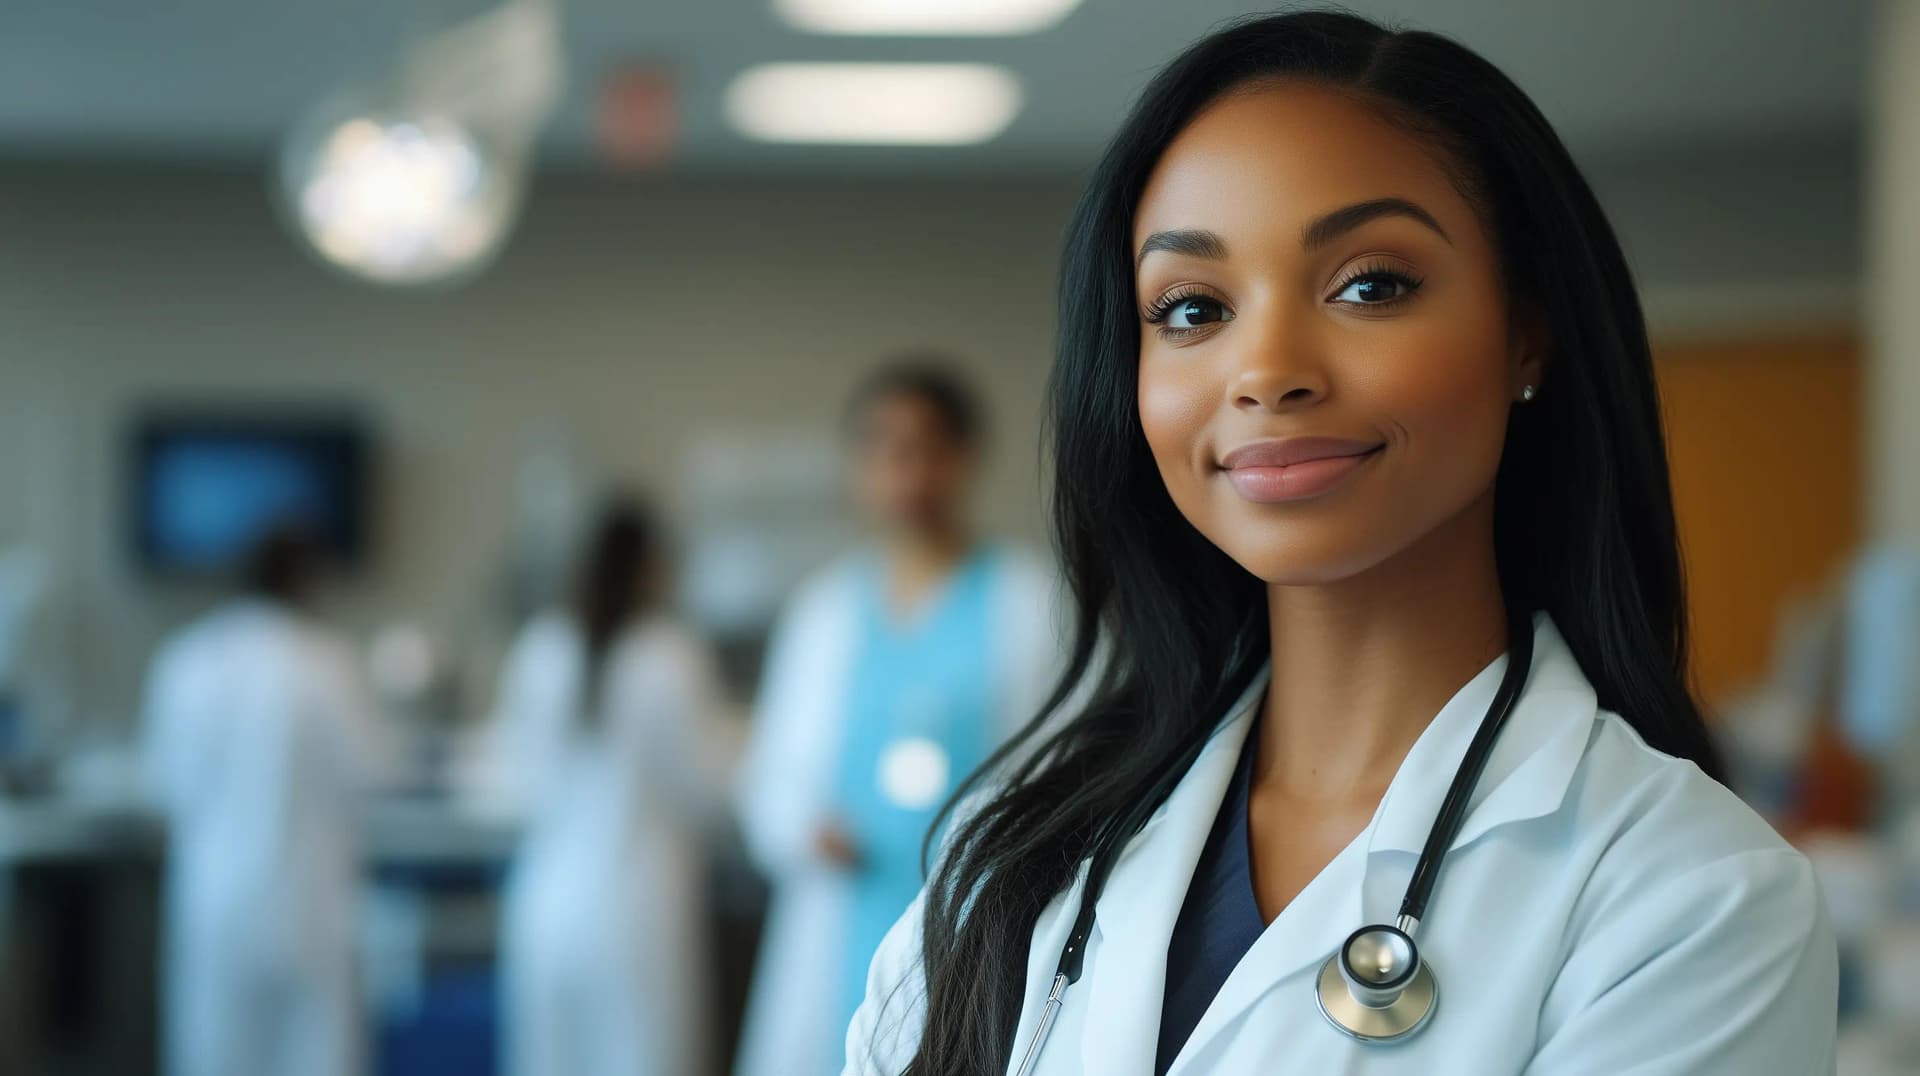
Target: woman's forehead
1273,158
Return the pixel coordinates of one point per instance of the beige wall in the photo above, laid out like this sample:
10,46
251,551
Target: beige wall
636,314
639,313
1893,260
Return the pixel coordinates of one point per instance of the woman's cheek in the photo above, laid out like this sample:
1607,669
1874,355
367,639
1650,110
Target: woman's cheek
1173,414
1454,408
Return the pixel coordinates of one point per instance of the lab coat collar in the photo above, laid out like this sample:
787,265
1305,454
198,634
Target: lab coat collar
1526,777
1547,732
1533,760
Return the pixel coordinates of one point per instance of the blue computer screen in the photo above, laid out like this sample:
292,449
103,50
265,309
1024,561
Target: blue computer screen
207,490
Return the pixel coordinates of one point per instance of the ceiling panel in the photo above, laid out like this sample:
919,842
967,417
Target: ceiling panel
220,78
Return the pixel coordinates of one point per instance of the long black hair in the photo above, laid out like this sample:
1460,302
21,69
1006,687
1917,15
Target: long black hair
609,588
1584,524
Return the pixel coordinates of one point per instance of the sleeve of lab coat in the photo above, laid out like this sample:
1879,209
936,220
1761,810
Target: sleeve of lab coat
1728,970
886,1028
782,776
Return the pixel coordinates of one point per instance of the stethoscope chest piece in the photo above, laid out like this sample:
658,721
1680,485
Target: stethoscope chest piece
1376,988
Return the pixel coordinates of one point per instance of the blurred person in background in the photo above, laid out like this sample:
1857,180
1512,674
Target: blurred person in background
616,721
890,676
259,742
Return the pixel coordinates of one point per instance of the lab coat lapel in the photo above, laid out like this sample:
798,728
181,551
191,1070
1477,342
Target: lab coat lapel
1142,900
1043,958
1306,932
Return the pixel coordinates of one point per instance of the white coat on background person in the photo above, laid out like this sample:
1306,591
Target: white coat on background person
1605,909
260,746
605,951
786,783
889,676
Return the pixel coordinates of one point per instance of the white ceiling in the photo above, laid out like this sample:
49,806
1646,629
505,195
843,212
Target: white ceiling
220,78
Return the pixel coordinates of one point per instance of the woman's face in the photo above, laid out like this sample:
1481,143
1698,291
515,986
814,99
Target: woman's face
1326,355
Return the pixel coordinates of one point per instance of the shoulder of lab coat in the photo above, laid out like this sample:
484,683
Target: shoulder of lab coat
665,681
366,753
782,779
1700,944
886,1028
532,700
187,679
662,662
544,652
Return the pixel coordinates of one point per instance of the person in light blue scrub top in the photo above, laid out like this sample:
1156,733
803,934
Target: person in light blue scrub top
892,674
918,694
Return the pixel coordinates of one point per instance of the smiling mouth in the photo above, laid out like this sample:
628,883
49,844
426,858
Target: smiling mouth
1279,472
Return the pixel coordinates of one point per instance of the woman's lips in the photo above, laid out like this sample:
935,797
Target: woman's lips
1274,472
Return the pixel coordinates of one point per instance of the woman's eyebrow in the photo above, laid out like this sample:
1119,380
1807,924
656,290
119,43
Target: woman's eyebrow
1333,225
1200,243
1195,242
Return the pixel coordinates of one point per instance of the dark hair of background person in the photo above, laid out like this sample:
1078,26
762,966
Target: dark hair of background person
282,565
609,589
1584,524
928,377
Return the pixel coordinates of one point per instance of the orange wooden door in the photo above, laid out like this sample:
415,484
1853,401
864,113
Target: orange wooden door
1766,448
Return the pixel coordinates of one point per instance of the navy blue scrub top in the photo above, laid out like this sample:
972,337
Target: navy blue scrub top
1219,921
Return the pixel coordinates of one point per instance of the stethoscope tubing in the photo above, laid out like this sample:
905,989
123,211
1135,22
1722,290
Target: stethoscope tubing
1420,887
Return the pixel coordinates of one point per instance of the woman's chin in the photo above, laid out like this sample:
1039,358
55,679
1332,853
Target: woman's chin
1304,564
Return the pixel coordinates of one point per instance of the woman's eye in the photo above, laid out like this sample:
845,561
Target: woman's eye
1373,289
1196,312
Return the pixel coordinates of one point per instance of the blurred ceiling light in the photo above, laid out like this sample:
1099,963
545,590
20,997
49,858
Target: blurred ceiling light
873,104
924,18
418,178
401,199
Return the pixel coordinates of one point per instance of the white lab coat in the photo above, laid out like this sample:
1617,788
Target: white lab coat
259,744
1606,910
603,951
787,777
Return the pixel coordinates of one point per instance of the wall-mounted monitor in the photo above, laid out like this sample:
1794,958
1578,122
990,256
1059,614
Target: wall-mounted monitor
206,485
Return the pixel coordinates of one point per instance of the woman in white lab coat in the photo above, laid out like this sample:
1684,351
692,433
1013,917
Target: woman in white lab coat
1358,455
890,675
615,725
259,744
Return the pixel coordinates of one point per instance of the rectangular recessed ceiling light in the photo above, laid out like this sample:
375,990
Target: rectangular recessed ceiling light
873,104
924,18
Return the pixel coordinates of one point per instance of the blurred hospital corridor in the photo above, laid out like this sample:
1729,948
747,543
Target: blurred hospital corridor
516,516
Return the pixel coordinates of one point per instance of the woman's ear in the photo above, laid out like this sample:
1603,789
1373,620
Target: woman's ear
1530,341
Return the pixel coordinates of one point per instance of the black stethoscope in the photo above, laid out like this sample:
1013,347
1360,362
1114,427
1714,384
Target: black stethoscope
1375,987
